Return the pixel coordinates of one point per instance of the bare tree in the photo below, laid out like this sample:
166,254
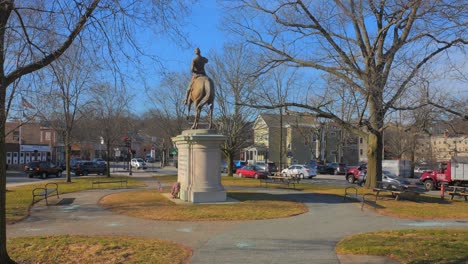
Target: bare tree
33,34
231,72
71,78
169,108
375,47
275,88
110,105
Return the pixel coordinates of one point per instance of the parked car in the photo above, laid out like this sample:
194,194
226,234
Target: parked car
324,169
100,161
149,159
86,167
42,169
239,163
312,163
138,163
352,173
268,166
252,171
338,168
224,166
388,179
300,171
62,165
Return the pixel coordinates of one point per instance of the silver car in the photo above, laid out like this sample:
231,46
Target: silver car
300,171
138,163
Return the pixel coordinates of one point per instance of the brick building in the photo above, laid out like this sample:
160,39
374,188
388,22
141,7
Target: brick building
26,142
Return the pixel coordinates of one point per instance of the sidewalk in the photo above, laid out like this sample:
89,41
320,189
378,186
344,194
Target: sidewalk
306,238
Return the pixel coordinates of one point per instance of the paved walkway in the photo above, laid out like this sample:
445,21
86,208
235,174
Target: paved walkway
306,238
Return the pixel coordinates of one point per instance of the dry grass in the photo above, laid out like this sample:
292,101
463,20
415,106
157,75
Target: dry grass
423,207
19,198
444,246
83,249
153,205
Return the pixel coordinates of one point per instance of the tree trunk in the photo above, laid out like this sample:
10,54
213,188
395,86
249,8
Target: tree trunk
374,159
67,158
4,258
230,163
108,148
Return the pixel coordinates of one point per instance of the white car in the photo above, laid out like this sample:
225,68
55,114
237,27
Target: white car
138,163
301,171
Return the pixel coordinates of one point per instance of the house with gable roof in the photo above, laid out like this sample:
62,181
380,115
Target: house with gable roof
294,139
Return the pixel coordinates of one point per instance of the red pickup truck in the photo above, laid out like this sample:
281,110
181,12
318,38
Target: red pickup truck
352,173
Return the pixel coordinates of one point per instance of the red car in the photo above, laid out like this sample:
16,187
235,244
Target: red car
252,171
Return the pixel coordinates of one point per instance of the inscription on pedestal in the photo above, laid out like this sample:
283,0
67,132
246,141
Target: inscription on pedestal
182,163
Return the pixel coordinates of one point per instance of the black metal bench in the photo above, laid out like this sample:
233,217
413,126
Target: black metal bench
110,180
49,189
349,194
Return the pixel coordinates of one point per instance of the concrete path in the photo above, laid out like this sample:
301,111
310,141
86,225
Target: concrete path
307,238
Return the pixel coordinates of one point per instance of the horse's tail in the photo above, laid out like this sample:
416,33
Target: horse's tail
209,92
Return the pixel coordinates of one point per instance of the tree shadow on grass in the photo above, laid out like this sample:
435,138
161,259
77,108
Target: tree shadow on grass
293,197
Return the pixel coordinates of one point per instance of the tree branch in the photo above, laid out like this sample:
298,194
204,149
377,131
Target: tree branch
46,60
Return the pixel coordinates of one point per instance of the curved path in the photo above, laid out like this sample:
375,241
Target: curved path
306,238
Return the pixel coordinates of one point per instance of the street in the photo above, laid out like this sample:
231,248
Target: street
14,177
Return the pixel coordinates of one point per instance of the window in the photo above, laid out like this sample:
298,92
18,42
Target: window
360,152
360,141
15,135
48,135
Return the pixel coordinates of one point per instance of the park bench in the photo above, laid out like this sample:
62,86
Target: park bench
50,188
288,181
458,191
105,180
396,190
350,192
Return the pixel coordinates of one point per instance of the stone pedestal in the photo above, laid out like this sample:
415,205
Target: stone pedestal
199,171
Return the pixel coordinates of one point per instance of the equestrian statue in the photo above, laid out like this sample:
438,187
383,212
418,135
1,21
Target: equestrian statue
200,91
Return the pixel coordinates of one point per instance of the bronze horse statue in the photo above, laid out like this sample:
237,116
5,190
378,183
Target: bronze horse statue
202,93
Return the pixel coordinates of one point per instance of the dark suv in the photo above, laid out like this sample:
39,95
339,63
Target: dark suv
86,167
338,168
268,166
42,169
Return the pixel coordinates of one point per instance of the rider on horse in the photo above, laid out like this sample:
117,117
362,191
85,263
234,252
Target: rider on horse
197,69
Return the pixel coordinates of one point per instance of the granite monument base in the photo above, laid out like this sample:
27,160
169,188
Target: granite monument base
199,170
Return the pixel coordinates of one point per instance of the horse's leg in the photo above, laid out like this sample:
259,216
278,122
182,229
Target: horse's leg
197,116
188,108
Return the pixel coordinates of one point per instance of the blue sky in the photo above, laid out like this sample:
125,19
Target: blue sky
203,32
